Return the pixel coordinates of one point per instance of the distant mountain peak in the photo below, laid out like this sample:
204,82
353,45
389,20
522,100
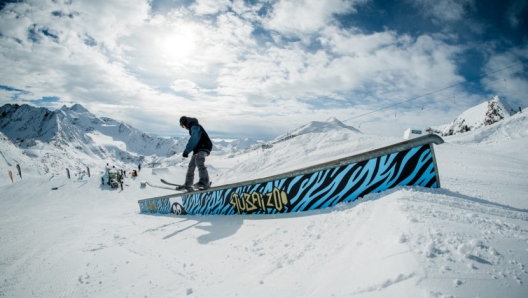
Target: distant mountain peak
332,124
334,120
483,114
79,108
75,108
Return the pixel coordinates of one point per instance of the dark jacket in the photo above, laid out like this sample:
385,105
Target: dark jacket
199,140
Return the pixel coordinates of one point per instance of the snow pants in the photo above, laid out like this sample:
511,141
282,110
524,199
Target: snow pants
197,161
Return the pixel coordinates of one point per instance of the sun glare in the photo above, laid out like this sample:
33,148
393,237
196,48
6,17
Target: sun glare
176,46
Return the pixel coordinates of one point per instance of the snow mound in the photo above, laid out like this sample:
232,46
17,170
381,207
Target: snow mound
160,171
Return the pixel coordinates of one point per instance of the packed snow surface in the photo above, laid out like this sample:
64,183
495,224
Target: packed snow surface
78,238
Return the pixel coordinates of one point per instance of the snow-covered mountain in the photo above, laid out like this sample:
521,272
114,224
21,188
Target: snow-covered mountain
235,145
50,141
332,124
80,135
314,127
484,114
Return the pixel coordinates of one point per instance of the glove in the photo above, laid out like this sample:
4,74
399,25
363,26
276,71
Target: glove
185,154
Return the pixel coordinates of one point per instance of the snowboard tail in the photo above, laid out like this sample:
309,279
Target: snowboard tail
168,183
161,186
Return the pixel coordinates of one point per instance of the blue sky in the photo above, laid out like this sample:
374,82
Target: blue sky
261,68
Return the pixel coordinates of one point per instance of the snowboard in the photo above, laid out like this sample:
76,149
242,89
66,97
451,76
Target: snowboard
176,185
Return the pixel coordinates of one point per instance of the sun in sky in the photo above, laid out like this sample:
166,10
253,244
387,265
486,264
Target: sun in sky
259,68
176,44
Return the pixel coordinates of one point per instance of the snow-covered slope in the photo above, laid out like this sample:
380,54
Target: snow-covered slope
486,113
306,149
11,156
508,135
332,124
467,239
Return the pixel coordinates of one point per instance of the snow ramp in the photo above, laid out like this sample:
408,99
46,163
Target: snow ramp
409,163
161,171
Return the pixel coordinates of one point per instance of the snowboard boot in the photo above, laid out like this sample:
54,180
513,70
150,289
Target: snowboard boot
202,186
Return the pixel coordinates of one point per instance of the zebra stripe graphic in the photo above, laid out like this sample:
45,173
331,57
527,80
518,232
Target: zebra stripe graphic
310,190
320,189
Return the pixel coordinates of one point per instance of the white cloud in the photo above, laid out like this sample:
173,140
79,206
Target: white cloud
122,61
203,7
185,86
384,64
305,16
514,11
511,83
354,42
65,66
7,95
451,15
445,10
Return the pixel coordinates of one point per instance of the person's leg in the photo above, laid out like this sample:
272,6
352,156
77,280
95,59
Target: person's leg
189,178
202,169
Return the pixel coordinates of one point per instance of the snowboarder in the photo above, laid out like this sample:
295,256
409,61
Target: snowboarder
200,144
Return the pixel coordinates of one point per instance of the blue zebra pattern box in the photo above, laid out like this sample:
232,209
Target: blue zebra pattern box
410,163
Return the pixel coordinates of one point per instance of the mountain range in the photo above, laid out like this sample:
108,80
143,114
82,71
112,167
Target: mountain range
72,137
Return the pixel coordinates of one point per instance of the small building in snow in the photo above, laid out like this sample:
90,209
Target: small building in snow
412,133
